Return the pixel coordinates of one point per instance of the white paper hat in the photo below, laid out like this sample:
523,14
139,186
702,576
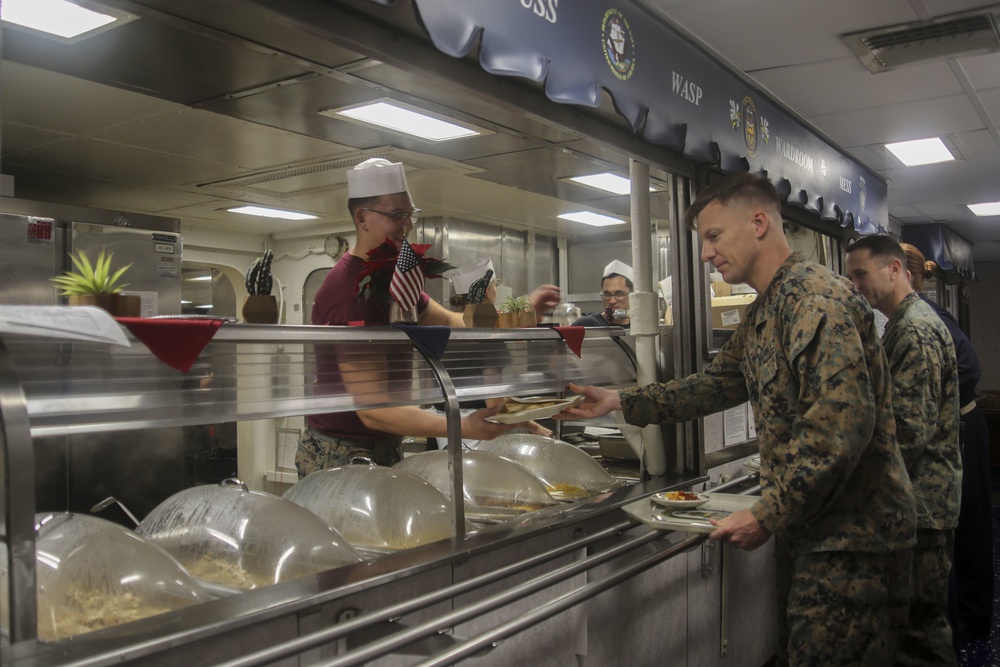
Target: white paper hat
466,274
375,176
621,268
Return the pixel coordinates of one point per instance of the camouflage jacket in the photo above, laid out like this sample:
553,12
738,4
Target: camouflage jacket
925,401
809,359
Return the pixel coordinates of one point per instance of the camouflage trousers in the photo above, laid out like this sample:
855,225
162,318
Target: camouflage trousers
927,639
841,608
318,452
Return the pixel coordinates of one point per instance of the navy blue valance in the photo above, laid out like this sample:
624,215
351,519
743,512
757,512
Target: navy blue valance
937,241
666,87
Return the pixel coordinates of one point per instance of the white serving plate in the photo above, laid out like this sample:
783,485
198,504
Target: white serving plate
663,500
694,520
536,413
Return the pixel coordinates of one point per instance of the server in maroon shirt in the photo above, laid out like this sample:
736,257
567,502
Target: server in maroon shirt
381,208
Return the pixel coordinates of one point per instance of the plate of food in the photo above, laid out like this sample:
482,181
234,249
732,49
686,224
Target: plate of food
680,499
516,410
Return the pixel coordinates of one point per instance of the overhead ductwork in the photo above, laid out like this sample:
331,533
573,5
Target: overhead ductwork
883,49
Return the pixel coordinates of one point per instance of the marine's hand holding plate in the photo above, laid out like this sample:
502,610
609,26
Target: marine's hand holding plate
517,410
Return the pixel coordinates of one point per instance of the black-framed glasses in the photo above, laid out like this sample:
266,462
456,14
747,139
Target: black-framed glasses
613,295
398,216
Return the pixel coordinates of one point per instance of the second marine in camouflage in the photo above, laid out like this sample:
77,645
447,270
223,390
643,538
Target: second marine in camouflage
924,373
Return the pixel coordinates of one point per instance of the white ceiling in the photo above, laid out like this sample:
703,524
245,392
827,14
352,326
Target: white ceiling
793,49
163,115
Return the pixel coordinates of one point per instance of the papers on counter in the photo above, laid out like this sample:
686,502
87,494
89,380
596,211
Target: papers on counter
85,323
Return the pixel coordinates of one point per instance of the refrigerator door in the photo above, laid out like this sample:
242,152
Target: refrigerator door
155,274
30,254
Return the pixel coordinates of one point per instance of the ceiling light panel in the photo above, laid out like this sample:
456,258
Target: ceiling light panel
607,182
398,117
592,219
262,212
920,151
60,19
986,208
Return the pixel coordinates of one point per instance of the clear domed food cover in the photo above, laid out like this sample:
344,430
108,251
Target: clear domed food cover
493,487
567,472
94,574
376,508
226,534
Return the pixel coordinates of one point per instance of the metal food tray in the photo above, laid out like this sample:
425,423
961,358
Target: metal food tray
662,518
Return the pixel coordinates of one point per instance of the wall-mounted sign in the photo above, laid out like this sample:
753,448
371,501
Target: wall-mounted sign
665,86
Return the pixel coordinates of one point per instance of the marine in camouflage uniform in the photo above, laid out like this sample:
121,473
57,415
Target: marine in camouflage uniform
835,492
924,373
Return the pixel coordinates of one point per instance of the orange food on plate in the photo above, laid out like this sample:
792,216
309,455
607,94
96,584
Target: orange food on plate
680,495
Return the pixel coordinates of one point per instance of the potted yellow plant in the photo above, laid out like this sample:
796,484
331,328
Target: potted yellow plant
94,284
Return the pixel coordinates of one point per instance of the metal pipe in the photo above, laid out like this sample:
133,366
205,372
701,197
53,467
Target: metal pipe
485,605
557,606
17,467
644,324
301,644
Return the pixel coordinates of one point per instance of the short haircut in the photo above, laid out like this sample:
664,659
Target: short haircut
362,202
747,189
628,283
880,246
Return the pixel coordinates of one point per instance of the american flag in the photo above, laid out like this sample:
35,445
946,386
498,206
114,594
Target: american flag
407,279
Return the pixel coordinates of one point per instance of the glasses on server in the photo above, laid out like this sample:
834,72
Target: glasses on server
613,295
413,215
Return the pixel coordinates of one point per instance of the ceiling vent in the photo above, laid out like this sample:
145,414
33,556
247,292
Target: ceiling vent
315,178
884,49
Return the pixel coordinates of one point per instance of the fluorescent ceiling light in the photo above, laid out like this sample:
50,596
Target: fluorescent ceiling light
607,181
199,279
921,151
271,213
393,116
986,208
55,17
592,219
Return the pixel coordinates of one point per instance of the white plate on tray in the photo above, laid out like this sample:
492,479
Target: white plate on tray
535,413
752,463
693,520
664,500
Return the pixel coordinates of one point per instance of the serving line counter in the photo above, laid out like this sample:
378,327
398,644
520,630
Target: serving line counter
574,580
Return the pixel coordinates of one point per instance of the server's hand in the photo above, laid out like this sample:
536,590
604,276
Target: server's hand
544,299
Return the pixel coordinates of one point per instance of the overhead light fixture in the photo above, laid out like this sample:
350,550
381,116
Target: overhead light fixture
592,219
199,279
399,117
608,182
985,209
921,151
271,213
61,18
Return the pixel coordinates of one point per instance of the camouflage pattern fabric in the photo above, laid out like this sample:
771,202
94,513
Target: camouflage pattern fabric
925,402
845,608
318,452
927,639
809,359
